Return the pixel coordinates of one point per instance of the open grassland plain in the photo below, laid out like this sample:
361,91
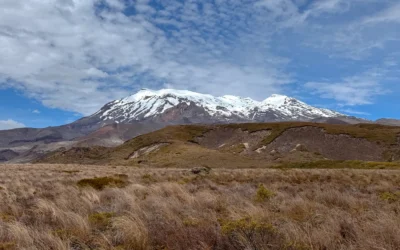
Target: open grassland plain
119,207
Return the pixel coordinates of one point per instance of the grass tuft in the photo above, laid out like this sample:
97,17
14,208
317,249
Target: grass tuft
42,208
101,221
7,246
249,233
390,197
148,179
263,194
102,182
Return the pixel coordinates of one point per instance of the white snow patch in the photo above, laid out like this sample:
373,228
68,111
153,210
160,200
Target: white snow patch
147,150
148,103
259,150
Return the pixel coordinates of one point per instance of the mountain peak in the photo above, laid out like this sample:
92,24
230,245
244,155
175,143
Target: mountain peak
277,100
150,104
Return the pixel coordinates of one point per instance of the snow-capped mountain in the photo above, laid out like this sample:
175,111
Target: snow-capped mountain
182,106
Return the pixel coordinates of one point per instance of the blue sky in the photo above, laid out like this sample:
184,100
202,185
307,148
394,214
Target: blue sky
64,59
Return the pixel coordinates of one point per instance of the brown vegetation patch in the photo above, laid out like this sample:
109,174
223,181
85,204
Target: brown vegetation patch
249,233
76,155
329,164
251,143
373,132
332,146
100,183
298,209
225,137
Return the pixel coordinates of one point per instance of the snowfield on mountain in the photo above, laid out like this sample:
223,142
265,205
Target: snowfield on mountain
148,104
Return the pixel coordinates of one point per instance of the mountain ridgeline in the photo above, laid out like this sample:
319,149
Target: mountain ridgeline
184,107
149,110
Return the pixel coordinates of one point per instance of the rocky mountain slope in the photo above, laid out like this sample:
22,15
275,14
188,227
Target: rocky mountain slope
244,145
147,111
182,106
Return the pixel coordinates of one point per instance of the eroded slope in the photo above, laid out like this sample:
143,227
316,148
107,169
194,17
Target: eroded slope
237,145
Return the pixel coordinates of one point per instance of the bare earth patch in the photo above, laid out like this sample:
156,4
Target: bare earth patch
44,207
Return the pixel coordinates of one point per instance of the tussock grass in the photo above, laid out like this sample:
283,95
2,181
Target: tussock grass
7,246
43,208
100,183
101,220
390,196
250,233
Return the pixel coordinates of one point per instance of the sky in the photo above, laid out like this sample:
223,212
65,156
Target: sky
64,59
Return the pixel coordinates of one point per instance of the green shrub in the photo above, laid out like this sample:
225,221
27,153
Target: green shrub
390,197
263,194
100,183
191,222
101,221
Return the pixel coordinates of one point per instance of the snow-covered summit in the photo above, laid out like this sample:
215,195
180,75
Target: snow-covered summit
147,104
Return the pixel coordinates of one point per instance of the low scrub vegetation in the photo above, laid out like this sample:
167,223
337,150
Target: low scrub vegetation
183,141
390,196
263,194
373,132
42,207
100,183
249,233
329,164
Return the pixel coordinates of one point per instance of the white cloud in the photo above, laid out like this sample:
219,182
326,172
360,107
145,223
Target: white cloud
76,55
391,14
354,34
355,112
36,111
350,91
10,124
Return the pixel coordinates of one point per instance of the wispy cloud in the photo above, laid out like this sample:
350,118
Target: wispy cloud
73,53
350,91
357,35
355,112
391,14
79,54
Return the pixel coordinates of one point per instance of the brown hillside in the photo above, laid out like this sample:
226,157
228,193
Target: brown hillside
244,145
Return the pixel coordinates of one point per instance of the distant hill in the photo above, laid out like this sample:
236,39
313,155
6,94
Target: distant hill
149,110
244,145
390,122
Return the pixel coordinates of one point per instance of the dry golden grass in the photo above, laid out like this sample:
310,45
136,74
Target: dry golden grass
43,207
